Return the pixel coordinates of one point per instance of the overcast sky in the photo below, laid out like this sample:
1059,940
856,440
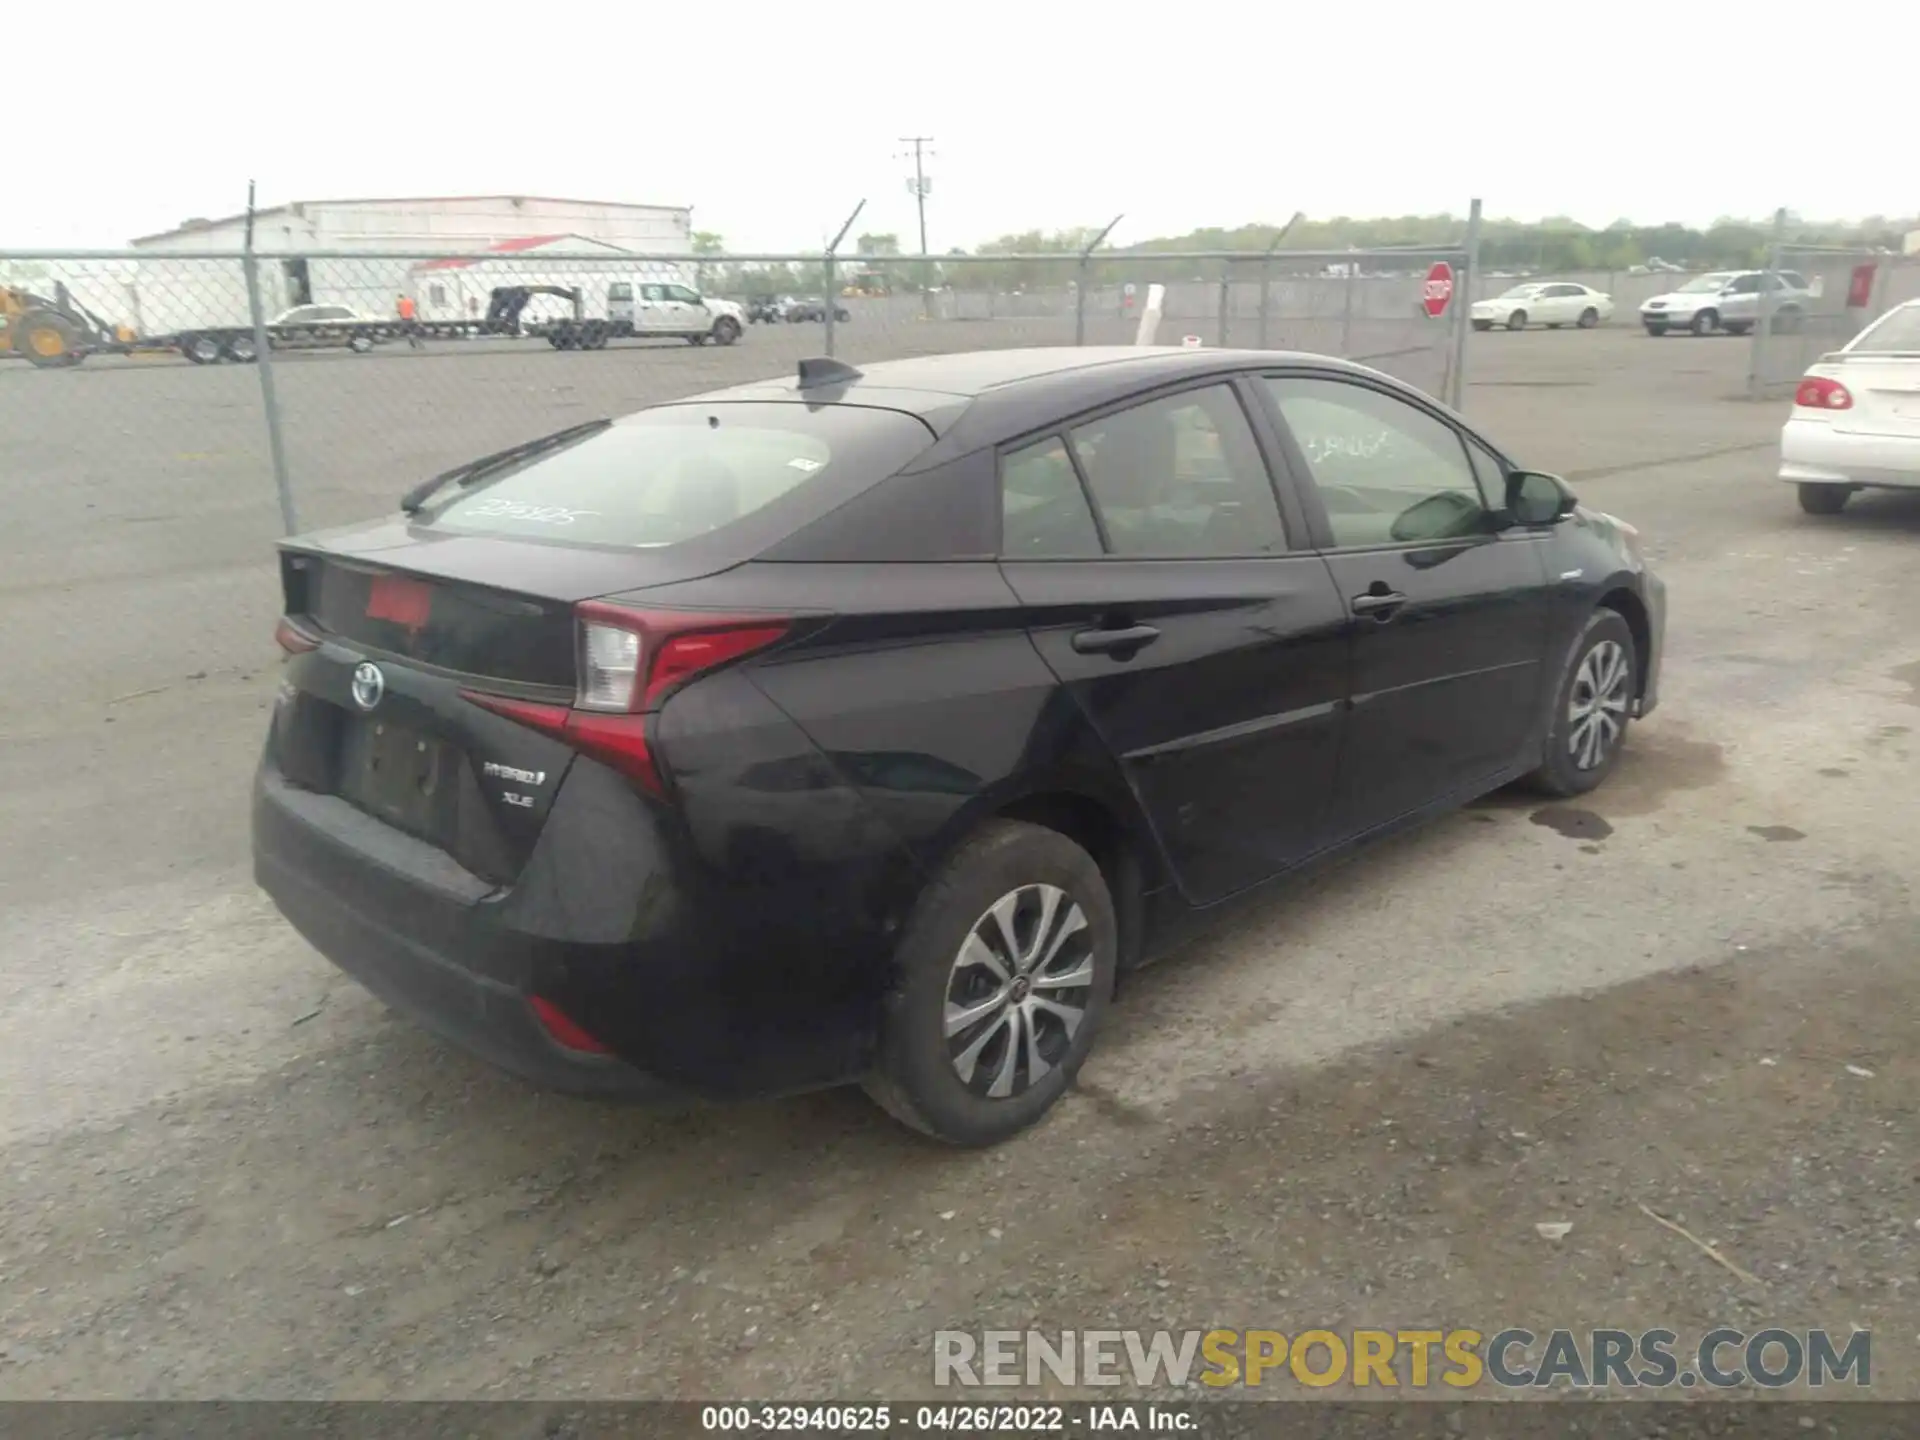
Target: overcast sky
1044,114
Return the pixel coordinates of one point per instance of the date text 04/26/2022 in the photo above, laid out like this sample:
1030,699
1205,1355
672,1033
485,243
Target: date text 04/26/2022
962,1419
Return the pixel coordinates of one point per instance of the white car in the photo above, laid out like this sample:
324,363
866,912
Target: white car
1856,417
1552,303
1728,300
289,329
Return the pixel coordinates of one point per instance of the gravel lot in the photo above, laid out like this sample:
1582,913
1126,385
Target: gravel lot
231,1173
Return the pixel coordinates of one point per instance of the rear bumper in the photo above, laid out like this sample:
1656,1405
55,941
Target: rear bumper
722,982
411,927
1812,452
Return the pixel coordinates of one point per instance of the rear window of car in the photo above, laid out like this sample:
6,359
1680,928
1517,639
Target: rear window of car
1897,331
682,471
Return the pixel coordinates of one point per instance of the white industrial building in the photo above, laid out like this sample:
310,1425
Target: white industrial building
173,291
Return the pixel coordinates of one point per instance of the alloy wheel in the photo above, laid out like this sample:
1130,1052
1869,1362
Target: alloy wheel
1597,707
1018,990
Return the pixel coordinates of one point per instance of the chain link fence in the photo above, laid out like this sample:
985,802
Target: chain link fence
1814,300
348,376
168,416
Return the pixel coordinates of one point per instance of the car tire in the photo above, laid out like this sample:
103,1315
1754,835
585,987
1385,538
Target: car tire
200,349
1656,330
1589,318
360,344
240,349
1483,324
1736,328
1787,321
1517,320
954,957
1592,708
1705,322
1819,499
726,330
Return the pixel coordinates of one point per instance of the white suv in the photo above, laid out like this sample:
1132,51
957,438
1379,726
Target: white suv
1727,300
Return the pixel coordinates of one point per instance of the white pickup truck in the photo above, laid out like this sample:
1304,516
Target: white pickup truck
650,308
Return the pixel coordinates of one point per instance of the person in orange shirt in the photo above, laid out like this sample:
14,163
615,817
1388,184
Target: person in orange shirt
406,309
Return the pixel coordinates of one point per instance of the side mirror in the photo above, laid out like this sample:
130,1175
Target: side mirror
1534,498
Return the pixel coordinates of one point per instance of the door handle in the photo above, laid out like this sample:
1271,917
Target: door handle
1381,604
1111,642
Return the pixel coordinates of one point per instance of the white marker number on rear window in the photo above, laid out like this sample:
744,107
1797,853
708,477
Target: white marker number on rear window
520,510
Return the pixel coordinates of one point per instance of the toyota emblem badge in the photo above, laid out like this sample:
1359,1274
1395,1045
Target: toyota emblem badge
368,685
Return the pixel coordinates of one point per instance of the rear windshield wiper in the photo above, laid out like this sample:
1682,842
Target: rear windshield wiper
474,471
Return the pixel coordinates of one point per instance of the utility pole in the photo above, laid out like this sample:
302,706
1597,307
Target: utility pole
919,185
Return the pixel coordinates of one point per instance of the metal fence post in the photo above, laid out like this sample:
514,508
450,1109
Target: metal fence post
1346,309
1462,306
1266,294
1763,326
263,358
1080,299
830,299
1226,301
1266,272
1080,283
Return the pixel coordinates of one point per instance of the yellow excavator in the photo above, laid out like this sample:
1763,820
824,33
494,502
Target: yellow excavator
53,333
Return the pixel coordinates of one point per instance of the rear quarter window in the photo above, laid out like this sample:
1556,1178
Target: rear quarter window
674,474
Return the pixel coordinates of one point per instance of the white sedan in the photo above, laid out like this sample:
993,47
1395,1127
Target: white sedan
1552,303
321,327
1856,417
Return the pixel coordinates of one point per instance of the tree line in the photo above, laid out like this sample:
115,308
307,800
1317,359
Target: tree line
1555,244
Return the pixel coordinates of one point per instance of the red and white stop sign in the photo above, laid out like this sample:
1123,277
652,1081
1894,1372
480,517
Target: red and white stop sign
1438,290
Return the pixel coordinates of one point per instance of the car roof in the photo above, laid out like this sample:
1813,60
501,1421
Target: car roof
1003,393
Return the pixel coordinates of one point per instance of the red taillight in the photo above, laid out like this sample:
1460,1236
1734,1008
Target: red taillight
1817,392
616,740
564,1029
682,656
292,639
629,661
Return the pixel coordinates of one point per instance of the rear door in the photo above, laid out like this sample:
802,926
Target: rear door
1740,301
1149,547
655,315
1449,618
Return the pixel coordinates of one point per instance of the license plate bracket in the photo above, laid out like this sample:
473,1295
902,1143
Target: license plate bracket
399,774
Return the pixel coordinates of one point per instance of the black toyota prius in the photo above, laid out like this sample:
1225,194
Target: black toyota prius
866,725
